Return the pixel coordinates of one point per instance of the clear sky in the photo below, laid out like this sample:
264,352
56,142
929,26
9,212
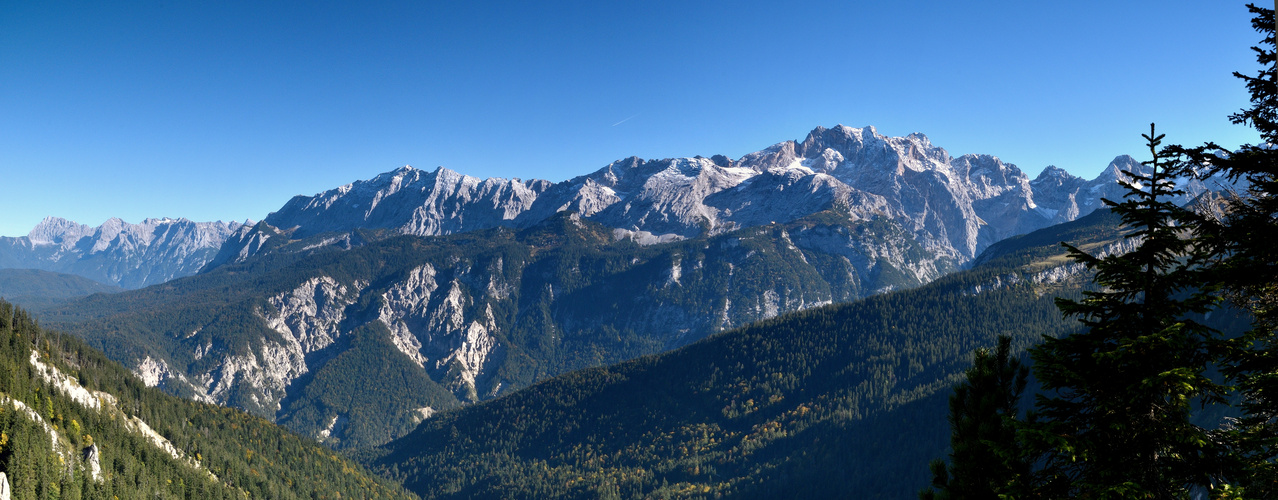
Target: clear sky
224,110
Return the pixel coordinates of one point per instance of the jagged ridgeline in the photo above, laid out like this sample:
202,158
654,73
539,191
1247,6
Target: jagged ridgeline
74,424
840,401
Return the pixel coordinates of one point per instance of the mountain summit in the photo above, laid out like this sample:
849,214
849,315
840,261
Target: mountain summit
954,206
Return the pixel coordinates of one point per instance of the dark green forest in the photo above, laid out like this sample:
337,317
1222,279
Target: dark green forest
839,401
224,453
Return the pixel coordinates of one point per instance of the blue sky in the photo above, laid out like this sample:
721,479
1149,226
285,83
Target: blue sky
224,110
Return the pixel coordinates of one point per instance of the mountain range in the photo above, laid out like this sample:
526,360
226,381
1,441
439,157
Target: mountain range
117,253
468,289
953,207
419,303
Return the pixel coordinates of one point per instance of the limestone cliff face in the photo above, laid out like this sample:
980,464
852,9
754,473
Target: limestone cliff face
430,324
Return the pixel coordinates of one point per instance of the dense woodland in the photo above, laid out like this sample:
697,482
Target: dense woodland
227,453
823,403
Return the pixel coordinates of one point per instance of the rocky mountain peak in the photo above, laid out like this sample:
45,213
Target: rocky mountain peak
1053,172
57,231
1120,164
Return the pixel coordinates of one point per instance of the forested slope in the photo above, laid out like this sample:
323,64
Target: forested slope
74,424
839,401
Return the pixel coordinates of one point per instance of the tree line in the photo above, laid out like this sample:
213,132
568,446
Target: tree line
1122,406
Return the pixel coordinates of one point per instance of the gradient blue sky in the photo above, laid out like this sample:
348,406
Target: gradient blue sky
224,110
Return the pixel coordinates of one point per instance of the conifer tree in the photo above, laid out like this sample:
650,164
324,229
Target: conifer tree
1243,236
1115,420
984,458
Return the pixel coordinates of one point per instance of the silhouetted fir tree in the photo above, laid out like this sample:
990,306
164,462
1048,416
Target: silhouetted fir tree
1115,420
985,457
1243,234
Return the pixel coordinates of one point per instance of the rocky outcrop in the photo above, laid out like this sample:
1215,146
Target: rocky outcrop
309,316
153,372
431,326
95,400
93,462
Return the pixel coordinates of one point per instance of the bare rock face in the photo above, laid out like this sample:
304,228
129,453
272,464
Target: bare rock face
408,303
117,252
411,201
309,316
153,372
5,492
93,462
955,207
430,324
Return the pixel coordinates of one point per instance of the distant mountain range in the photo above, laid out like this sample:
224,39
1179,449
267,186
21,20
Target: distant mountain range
118,253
